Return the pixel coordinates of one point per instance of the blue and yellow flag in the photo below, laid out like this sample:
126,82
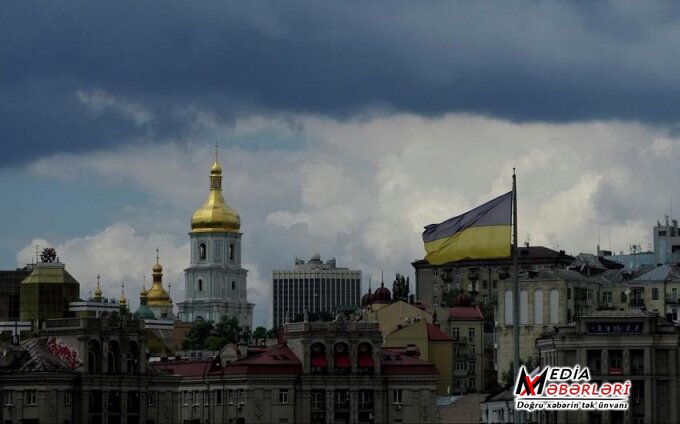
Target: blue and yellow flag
482,233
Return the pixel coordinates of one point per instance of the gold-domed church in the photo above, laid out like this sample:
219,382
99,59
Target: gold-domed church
215,282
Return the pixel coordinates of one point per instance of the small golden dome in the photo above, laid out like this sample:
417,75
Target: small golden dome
216,168
123,300
143,293
157,268
98,291
215,214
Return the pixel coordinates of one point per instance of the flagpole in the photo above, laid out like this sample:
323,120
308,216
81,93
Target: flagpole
515,289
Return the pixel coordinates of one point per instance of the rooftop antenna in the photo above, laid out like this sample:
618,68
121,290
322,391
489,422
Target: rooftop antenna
369,283
610,239
37,253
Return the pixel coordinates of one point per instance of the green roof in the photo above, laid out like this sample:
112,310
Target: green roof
54,273
144,312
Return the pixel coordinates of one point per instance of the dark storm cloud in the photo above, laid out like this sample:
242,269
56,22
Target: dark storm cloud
523,61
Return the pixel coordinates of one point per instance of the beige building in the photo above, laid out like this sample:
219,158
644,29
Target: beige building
547,298
432,346
619,346
392,316
465,325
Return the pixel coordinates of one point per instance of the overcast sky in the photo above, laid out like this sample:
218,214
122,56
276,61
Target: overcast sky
344,127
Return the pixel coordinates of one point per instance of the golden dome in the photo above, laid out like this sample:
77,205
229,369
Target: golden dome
156,295
215,214
98,290
143,293
123,300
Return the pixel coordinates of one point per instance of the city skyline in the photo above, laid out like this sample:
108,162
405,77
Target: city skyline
108,133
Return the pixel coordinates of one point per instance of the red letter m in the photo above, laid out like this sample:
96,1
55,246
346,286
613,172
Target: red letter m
527,385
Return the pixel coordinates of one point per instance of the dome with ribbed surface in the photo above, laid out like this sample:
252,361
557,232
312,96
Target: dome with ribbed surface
215,215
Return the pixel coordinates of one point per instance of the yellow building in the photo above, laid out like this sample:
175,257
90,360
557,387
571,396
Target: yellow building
395,315
434,347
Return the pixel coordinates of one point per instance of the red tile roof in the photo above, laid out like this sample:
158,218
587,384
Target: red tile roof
434,334
278,360
465,313
394,362
187,367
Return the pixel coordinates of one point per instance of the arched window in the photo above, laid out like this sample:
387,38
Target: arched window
318,361
113,358
523,307
132,358
231,251
94,357
233,285
554,306
538,307
342,363
365,362
201,251
508,307
200,285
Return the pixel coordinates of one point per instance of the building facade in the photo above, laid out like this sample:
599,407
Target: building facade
215,282
47,292
10,282
479,278
618,346
324,372
313,286
547,298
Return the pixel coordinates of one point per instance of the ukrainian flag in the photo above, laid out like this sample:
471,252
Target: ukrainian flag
482,233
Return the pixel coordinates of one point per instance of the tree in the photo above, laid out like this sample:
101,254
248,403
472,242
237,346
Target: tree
272,333
400,288
197,337
227,330
508,376
260,333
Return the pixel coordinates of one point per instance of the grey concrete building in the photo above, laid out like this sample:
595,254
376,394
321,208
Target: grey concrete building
618,346
313,286
479,278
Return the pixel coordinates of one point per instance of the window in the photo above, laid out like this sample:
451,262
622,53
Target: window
217,251
233,285
206,398
454,333
397,396
471,383
460,366
435,271
151,399
623,296
568,293
186,398
218,397
607,297
30,397
494,284
200,285
655,293
8,398
318,399
365,399
67,399
241,396
201,251
485,284
471,333
283,395
435,300
342,398
231,252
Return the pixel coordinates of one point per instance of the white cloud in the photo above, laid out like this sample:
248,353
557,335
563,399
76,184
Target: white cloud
100,101
362,190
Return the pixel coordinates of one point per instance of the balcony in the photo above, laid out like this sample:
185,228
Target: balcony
473,275
637,303
671,299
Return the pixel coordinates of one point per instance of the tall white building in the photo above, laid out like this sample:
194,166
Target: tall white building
215,282
313,286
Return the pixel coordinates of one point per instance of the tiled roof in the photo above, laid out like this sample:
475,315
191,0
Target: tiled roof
278,360
465,313
187,367
434,334
394,362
